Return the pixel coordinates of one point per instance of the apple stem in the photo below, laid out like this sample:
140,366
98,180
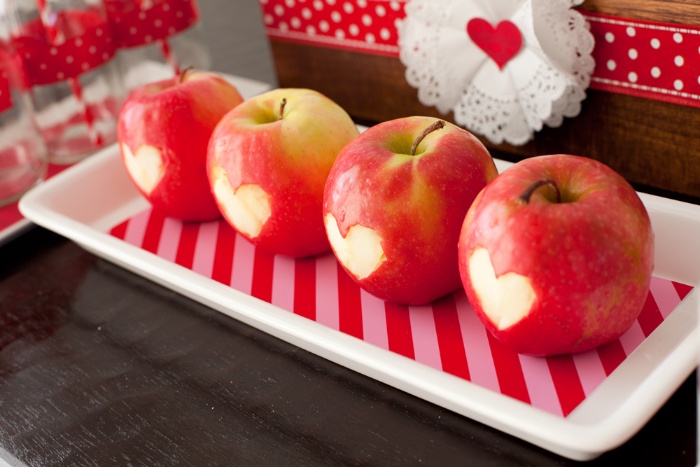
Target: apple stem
282,105
435,126
184,72
527,194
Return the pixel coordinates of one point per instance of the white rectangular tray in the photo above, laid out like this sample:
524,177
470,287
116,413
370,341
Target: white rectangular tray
84,202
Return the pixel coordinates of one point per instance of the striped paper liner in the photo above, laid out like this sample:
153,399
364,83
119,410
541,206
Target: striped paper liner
445,335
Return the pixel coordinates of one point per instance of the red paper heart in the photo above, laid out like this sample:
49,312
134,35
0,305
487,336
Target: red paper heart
501,43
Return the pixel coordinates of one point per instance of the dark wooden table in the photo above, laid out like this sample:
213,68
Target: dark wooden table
99,366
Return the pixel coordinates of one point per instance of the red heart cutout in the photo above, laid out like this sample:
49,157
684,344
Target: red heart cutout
500,43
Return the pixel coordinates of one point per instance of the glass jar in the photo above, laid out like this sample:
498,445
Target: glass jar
67,54
23,155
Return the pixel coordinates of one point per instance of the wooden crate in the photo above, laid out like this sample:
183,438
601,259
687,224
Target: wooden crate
654,144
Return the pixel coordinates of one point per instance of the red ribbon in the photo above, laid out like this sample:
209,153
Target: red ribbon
138,22
646,59
77,42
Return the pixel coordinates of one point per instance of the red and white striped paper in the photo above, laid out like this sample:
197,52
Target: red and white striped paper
445,335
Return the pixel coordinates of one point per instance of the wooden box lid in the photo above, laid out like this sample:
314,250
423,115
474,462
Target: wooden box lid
654,144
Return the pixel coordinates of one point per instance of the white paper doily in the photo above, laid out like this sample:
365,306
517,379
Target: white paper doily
541,84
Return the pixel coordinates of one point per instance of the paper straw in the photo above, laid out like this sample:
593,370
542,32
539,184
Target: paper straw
55,34
45,13
77,89
169,56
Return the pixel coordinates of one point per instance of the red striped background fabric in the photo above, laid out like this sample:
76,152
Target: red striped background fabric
445,335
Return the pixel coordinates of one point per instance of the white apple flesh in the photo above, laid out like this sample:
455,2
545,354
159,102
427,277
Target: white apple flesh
247,207
505,299
360,251
145,167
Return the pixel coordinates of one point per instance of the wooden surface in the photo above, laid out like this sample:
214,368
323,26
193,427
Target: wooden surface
653,144
101,367
667,11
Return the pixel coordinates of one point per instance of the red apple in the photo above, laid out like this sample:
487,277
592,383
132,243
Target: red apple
163,132
556,255
268,162
394,205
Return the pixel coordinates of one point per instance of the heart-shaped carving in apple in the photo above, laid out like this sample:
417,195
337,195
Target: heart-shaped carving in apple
267,165
394,204
556,255
164,130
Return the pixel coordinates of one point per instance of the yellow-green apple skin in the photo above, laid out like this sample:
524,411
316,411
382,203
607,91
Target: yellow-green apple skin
550,277
268,171
163,132
393,219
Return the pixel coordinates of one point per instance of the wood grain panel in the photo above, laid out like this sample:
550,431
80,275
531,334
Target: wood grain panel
676,11
652,144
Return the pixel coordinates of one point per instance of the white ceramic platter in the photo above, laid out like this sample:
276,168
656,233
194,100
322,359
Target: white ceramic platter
84,202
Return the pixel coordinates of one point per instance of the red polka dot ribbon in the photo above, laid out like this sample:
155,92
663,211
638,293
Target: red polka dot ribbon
646,59
139,22
83,44
361,25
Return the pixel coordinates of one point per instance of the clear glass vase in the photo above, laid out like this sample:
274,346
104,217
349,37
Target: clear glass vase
67,54
23,155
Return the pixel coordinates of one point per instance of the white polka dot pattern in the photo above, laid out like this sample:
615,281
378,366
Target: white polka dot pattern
651,60
45,62
133,26
644,59
360,25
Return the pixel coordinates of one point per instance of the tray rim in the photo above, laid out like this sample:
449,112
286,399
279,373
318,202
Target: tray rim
14,230
582,435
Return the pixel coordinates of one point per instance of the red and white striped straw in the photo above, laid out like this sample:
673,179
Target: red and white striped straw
88,117
46,14
169,57
56,36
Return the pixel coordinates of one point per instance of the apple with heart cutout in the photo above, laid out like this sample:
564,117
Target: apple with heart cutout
268,160
394,204
556,255
163,133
